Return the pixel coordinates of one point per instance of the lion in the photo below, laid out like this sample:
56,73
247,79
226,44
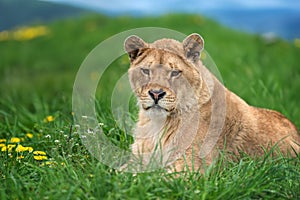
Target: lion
186,115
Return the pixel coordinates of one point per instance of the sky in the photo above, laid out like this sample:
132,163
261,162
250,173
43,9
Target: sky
162,6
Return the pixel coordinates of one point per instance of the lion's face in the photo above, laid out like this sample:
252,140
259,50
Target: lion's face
164,81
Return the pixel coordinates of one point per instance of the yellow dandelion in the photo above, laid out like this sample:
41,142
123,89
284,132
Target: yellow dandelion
40,157
8,147
20,157
2,140
3,148
39,153
21,148
29,135
49,118
15,140
2,145
30,149
28,33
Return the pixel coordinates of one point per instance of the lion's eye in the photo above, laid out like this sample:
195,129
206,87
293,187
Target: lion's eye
175,73
145,71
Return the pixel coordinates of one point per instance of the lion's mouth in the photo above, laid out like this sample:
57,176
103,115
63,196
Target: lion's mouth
155,106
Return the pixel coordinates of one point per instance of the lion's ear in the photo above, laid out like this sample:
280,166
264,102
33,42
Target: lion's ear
133,44
193,45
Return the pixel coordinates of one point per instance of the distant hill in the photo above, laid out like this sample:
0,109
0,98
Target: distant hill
281,22
22,12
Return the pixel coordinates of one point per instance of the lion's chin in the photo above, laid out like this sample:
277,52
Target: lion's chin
157,112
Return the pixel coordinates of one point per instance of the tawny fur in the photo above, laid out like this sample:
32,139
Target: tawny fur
199,116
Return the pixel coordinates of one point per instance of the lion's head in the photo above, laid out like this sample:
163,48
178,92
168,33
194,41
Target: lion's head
164,75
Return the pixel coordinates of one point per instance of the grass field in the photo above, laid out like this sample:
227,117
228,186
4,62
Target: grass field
42,156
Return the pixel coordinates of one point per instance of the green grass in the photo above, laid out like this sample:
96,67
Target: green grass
37,80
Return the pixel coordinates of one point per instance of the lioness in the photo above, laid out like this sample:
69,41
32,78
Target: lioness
187,115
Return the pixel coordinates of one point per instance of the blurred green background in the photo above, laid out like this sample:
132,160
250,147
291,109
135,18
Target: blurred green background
40,59
45,43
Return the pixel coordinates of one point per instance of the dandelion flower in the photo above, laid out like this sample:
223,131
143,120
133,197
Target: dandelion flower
40,157
20,157
3,148
28,33
29,135
15,140
8,147
24,33
30,149
2,145
43,153
2,140
49,118
21,148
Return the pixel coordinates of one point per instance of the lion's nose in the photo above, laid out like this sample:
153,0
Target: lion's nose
156,95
